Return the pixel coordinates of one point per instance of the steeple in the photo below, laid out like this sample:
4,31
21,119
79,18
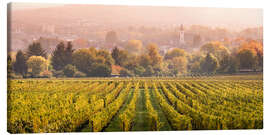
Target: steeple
181,36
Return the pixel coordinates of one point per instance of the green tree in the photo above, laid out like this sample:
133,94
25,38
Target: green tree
109,61
9,66
69,70
233,65
247,59
61,56
139,70
58,57
83,60
120,56
115,55
125,73
101,70
194,63
36,64
93,62
68,53
35,49
209,64
149,71
20,65
224,64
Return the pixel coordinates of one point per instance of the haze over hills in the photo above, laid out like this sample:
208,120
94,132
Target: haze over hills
141,15
88,24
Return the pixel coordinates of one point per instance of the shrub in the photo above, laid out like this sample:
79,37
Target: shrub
126,73
79,74
36,65
14,76
69,70
46,74
58,74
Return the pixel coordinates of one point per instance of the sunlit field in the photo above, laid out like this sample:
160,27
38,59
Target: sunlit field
135,104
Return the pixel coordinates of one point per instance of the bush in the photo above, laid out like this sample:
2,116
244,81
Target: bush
14,76
58,74
126,73
46,74
79,74
69,70
36,64
101,70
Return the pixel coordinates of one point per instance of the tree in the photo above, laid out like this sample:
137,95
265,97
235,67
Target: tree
194,62
176,52
144,60
83,60
139,70
36,64
154,55
58,56
257,48
115,55
134,46
131,62
209,64
93,62
120,56
233,65
247,59
20,65
62,56
111,37
224,64
9,66
149,71
35,49
216,49
125,73
68,53
195,67
178,65
69,70
107,57
101,70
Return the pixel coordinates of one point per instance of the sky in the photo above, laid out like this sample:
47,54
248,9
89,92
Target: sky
23,6
227,17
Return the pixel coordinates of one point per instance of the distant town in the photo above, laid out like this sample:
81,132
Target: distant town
86,32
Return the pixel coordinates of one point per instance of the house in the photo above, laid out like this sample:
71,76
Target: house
116,71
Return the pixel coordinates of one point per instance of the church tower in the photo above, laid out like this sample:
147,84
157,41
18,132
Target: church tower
181,36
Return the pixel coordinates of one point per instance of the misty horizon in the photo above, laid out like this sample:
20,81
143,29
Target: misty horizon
230,18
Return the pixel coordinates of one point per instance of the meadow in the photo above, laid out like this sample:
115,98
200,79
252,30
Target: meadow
135,104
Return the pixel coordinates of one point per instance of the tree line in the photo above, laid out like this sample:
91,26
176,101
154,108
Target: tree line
134,60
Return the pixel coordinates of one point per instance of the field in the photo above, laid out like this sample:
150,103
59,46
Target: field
135,104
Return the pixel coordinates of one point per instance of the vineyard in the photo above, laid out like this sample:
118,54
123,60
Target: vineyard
134,104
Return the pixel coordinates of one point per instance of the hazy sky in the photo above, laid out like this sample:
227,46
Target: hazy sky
21,6
246,17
